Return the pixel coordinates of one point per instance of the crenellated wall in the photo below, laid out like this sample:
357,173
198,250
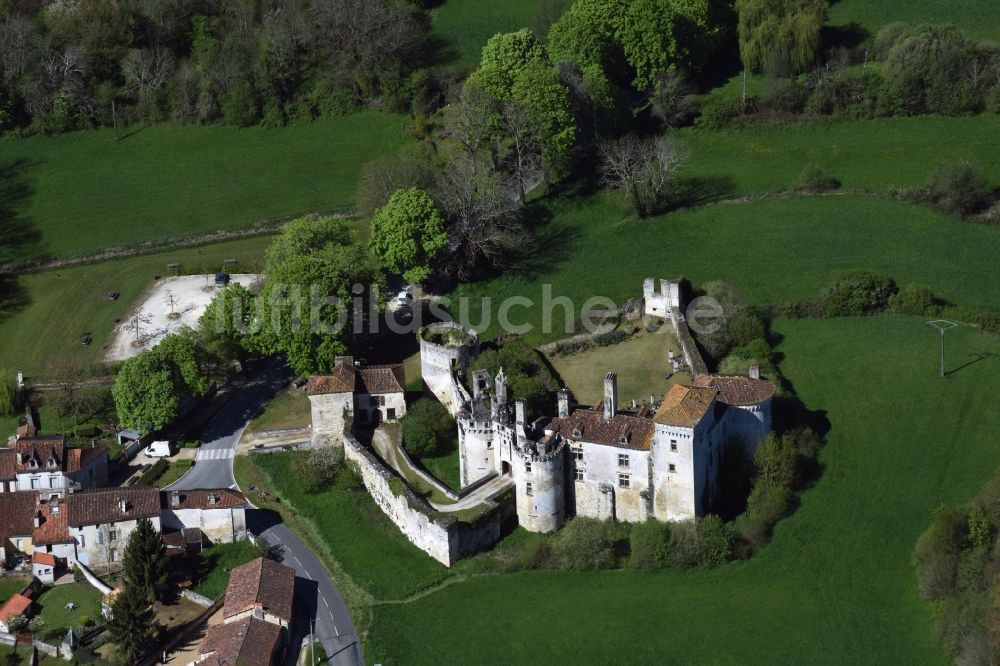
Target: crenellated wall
440,359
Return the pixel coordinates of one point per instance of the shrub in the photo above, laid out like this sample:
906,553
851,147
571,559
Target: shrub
936,553
648,542
703,542
745,329
814,180
960,188
859,293
316,469
914,300
37,626
427,427
527,376
719,112
152,475
584,544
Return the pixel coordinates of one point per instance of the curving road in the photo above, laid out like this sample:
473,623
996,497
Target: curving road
317,600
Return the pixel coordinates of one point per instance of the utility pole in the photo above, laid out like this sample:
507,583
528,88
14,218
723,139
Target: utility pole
114,118
942,325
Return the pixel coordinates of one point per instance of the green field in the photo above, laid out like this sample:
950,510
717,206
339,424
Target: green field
87,192
978,18
871,155
464,26
50,310
775,251
289,409
834,586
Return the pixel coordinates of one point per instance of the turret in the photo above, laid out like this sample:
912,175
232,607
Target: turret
563,398
520,413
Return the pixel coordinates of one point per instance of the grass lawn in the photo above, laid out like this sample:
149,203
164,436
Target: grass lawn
352,529
176,470
50,310
868,154
977,18
11,585
641,364
774,251
464,26
289,409
217,561
100,413
444,466
835,584
88,192
53,605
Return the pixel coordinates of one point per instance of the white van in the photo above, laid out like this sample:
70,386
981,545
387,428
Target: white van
158,449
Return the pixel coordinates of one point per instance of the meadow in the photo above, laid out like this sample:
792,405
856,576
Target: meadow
45,314
835,585
84,191
774,251
977,18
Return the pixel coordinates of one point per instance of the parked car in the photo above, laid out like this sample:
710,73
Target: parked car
158,449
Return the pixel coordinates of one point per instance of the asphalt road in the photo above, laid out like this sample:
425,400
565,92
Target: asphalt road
316,596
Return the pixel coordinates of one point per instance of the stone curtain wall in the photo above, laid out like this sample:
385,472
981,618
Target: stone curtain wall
438,534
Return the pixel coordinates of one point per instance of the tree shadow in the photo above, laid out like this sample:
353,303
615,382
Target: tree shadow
20,239
698,191
848,36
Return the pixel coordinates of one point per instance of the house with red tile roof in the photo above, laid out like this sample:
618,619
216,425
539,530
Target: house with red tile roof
19,604
256,614
369,394
47,465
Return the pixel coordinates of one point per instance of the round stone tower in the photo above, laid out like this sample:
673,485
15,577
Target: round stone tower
445,348
540,475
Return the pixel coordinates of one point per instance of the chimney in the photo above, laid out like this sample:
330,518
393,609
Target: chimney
501,388
754,372
563,397
122,506
175,498
54,506
213,498
610,395
519,417
38,519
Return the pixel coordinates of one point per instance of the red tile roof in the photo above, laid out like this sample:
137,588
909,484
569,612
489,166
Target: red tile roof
737,389
377,379
47,559
16,605
247,642
94,507
17,512
78,458
225,498
684,406
588,425
52,526
341,380
8,465
264,582
41,450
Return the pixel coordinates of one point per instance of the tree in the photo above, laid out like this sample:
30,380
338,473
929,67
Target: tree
483,219
180,352
145,563
649,544
147,391
408,236
384,176
70,396
642,169
224,324
545,103
109,543
132,627
137,323
316,469
779,37
585,544
585,35
959,188
427,428
302,310
505,56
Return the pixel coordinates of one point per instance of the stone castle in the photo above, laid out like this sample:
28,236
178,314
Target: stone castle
601,461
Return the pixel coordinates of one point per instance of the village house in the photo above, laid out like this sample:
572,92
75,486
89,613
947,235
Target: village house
46,464
256,614
369,395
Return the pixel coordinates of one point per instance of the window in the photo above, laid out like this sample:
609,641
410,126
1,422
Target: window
82,540
489,445
624,481
390,413
672,467
623,460
527,489
577,432
36,484
380,400
577,450
20,544
579,474
112,555
527,465
113,535
673,445
53,482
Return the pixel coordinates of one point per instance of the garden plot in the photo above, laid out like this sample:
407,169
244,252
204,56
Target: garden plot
171,304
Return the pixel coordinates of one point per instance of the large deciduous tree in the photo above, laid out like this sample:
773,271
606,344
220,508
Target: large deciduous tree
780,37
642,169
408,235
302,311
147,392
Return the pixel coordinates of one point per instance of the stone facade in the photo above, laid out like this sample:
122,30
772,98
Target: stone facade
368,395
659,302
445,349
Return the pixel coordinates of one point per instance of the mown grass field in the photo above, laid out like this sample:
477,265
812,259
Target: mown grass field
834,586
871,155
978,18
50,310
53,610
289,409
774,251
463,26
87,192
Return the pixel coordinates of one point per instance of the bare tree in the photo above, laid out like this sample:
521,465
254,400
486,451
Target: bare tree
136,323
70,396
469,123
482,217
109,544
146,72
642,169
16,48
525,160
171,302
